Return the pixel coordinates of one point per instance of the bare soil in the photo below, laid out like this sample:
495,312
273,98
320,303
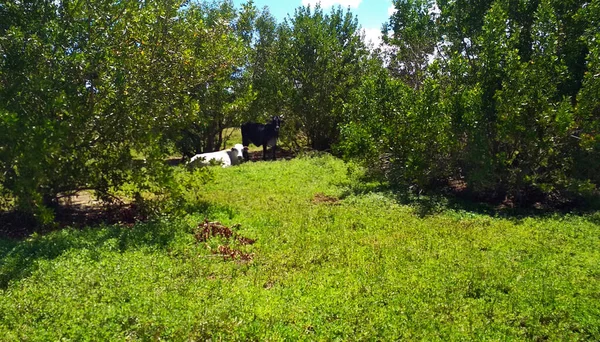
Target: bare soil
79,210
279,154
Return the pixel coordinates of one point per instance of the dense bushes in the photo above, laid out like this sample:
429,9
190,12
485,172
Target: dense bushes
83,85
320,60
509,104
501,94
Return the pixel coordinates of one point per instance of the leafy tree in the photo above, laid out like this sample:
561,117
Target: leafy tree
585,140
83,84
413,39
505,97
223,93
264,69
368,116
321,58
521,142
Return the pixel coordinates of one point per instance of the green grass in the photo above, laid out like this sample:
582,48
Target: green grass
233,136
364,268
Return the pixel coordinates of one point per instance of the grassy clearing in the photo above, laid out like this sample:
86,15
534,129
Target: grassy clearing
363,267
233,136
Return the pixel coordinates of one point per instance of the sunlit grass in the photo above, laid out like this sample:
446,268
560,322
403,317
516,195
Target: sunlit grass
363,267
232,136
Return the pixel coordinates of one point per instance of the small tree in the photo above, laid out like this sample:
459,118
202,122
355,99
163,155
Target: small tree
222,89
321,58
412,41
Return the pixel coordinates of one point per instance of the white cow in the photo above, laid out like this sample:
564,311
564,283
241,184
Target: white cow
225,158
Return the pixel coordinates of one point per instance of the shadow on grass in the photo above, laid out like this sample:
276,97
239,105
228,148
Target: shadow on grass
20,254
17,225
18,259
434,202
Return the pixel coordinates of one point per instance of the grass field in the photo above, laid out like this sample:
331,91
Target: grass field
233,136
334,258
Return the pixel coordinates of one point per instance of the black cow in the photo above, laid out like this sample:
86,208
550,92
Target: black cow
261,134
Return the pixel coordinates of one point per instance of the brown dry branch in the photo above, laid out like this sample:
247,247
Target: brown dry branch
324,199
229,253
207,230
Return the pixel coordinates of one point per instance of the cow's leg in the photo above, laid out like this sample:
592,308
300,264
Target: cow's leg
245,154
274,149
264,151
245,142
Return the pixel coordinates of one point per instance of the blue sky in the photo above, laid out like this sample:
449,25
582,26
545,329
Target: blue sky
371,13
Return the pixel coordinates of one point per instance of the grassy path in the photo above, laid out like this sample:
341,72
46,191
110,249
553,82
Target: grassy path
329,263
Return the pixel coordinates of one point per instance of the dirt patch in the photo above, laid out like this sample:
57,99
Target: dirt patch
457,185
207,230
230,250
84,209
125,214
79,210
279,154
175,161
17,225
324,199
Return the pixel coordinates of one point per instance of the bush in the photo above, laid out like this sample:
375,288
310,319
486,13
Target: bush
509,105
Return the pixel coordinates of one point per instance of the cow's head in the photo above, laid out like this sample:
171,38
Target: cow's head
276,122
238,150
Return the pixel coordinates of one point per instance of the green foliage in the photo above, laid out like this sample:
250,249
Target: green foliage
223,90
405,132
82,84
363,267
321,60
169,194
262,65
370,109
414,37
507,102
587,116
525,137
80,88
502,94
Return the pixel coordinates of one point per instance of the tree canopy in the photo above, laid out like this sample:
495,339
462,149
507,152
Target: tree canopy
503,96
499,94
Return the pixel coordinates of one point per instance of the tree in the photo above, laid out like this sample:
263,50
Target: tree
413,39
585,140
321,58
83,84
263,69
508,103
224,93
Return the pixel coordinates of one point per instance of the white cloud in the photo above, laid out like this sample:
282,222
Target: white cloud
328,3
391,10
373,35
